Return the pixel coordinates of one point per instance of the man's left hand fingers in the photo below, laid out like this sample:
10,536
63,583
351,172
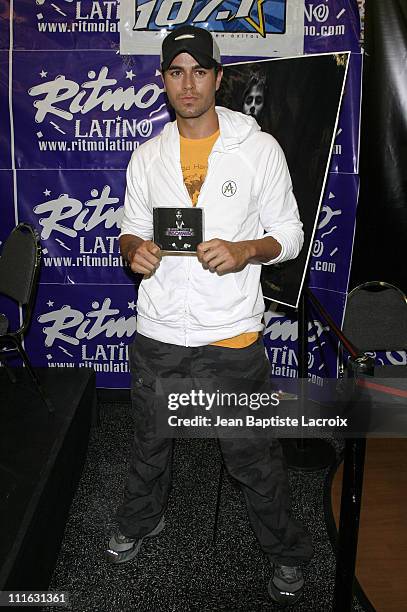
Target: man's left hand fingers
209,256
216,262
208,244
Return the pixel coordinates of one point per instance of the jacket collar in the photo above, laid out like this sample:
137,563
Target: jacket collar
234,128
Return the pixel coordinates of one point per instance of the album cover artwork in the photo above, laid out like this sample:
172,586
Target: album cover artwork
297,100
178,230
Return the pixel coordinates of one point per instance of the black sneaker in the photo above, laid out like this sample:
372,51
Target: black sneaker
122,549
286,584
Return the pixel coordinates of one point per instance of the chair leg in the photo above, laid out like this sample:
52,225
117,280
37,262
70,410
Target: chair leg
34,377
218,500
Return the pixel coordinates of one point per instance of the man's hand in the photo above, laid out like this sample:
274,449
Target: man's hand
221,256
144,256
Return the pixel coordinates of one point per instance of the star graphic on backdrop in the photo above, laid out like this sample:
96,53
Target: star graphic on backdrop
130,74
49,356
118,118
47,192
131,305
49,303
121,344
43,74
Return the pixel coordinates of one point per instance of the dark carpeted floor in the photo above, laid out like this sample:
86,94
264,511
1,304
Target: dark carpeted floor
179,570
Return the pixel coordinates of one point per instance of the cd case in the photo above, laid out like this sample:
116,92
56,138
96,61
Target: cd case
178,230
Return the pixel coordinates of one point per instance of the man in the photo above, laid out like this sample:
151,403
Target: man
202,316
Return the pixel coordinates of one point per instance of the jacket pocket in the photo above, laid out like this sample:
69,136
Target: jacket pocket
158,298
143,399
144,380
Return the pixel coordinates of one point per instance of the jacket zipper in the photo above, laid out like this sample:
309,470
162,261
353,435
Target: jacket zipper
207,175
186,263
186,309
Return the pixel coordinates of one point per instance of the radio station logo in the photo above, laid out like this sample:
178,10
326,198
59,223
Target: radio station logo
281,334
325,250
97,338
99,114
396,358
259,17
317,16
79,234
62,17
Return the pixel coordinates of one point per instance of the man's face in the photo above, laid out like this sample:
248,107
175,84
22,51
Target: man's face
190,88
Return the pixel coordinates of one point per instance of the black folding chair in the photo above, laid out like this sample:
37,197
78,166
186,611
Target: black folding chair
19,270
376,320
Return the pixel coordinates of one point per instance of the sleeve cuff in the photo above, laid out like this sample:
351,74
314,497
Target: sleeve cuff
283,253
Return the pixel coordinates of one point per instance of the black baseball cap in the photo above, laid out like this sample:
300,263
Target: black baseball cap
188,39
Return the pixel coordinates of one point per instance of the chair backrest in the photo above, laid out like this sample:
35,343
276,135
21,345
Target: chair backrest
376,317
19,263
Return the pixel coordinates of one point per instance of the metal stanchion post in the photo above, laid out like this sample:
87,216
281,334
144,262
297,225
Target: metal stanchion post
300,454
351,499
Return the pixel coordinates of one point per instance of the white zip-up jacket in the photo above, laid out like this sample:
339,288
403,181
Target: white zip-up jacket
182,303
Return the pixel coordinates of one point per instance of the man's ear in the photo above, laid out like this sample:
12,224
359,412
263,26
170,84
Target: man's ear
219,77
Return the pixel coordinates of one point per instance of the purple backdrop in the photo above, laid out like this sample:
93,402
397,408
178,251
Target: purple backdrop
78,109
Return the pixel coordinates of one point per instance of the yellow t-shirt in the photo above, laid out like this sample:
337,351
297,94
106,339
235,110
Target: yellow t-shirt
194,164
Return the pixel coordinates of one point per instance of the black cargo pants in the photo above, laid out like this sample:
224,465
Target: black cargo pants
256,463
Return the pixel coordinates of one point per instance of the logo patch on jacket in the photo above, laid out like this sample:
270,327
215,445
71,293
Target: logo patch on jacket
229,188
